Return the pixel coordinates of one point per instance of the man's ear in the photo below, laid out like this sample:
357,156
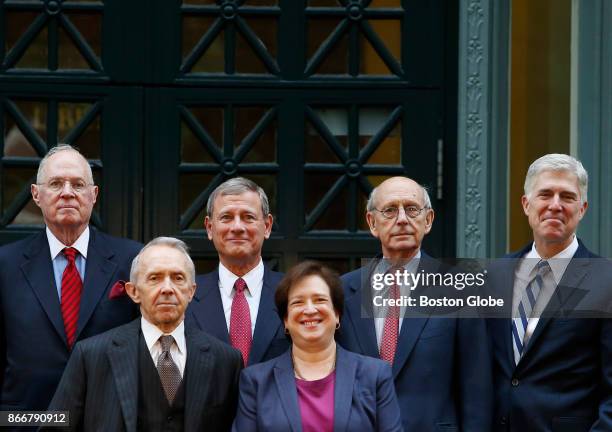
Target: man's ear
268,221
192,291
34,191
372,224
131,290
429,218
208,227
525,204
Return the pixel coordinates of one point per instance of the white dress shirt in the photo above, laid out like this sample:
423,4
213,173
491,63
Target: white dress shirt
178,350
526,271
379,316
254,281
59,260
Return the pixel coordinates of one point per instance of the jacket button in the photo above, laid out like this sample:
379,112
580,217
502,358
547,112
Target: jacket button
514,382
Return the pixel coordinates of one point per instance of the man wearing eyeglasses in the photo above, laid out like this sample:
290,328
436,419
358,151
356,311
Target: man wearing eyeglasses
58,286
441,366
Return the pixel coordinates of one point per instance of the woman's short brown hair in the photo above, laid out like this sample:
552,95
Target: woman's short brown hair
302,270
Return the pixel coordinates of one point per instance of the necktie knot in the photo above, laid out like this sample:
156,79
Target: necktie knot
543,267
166,342
239,285
70,254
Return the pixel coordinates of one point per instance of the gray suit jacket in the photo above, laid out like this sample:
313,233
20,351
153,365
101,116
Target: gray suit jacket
100,384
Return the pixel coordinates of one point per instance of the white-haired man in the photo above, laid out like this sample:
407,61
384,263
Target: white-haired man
56,287
153,374
552,368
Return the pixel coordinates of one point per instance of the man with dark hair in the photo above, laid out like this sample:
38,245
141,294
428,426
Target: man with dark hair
441,365
235,303
153,374
56,287
552,366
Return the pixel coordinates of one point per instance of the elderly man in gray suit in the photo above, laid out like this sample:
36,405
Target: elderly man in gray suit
153,373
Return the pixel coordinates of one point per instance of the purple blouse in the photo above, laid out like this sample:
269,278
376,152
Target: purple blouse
316,400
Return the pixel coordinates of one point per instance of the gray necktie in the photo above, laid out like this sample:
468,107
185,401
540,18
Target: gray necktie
169,373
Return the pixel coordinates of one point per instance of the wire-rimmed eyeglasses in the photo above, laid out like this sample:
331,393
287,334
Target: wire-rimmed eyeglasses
392,212
57,185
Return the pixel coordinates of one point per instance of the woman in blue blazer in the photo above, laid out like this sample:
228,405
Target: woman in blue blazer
316,385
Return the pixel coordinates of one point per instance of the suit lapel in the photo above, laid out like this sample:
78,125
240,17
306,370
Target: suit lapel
266,325
197,372
504,326
412,327
98,272
38,271
123,358
207,309
287,391
343,393
358,303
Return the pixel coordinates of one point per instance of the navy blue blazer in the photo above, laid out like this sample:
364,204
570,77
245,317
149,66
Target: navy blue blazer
563,382
364,399
33,346
206,312
442,366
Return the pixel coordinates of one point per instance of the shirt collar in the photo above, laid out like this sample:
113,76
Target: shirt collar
56,246
558,263
411,266
152,333
253,279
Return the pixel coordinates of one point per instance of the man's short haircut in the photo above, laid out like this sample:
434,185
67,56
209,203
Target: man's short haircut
163,241
299,272
557,162
372,198
57,149
238,186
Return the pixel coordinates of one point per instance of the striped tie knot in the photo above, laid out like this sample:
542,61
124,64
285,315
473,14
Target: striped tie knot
70,254
542,267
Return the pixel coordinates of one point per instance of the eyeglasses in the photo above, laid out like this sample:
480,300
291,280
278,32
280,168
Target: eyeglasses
57,185
392,212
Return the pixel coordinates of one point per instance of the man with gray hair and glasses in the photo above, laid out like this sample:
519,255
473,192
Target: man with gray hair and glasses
58,286
441,365
154,373
552,364
235,302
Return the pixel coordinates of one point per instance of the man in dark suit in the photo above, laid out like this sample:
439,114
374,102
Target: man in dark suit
441,366
552,370
56,287
235,303
153,373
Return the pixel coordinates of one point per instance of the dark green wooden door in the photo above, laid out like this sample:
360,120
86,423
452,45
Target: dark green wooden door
317,101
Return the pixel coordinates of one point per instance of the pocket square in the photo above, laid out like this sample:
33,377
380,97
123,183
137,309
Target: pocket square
117,290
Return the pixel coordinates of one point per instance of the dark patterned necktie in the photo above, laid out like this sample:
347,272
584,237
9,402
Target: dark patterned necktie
72,286
240,321
169,373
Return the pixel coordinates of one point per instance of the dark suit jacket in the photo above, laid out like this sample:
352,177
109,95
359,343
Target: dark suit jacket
33,347
206,312
364,398
100,384
564,379
442,367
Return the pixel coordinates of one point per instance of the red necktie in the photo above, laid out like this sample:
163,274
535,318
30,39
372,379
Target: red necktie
71,296
240,321
388,344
